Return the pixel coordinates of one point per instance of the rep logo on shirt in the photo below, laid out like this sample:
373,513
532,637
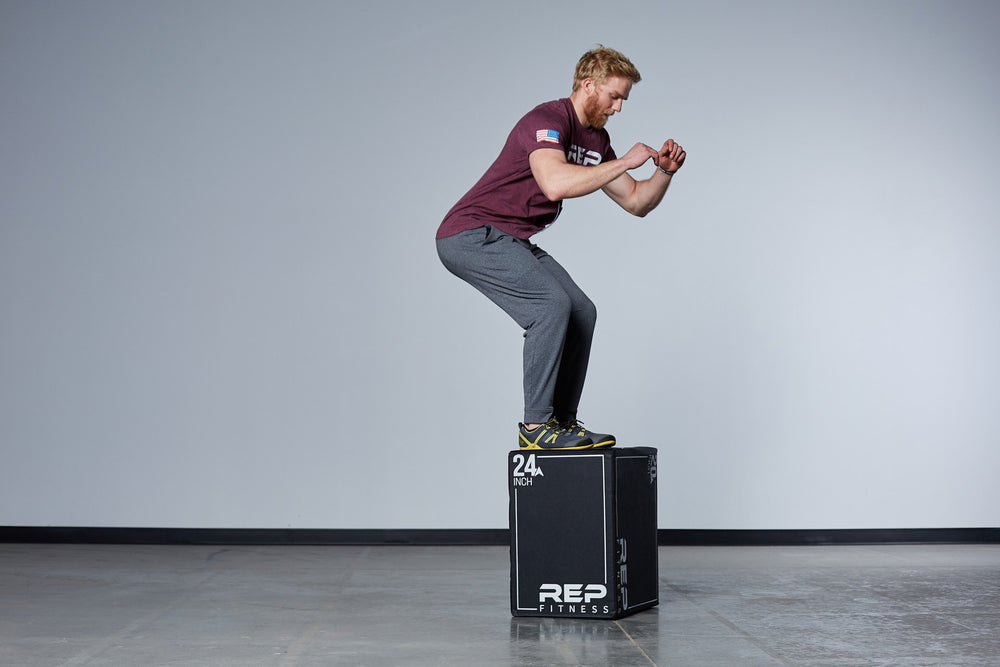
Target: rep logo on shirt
581,155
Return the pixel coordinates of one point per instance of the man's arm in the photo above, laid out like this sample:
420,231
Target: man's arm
559,179
641,197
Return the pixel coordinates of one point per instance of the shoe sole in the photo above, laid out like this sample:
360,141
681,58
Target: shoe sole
606,443
535,447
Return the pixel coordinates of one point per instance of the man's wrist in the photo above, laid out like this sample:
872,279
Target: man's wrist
666,171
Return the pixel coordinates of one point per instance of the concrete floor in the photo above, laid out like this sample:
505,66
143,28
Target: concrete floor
252,605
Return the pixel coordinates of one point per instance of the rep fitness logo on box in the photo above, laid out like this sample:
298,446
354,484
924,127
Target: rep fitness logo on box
572,599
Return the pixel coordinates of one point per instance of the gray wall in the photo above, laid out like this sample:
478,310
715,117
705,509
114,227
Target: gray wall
221,304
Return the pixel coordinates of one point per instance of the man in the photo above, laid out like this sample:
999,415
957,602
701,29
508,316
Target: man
558,150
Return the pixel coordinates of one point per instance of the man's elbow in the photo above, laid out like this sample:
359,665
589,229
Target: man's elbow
551,192
641,211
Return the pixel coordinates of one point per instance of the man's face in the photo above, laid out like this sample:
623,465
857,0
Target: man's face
605,99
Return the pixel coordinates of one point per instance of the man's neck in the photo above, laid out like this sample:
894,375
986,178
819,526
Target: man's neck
578,100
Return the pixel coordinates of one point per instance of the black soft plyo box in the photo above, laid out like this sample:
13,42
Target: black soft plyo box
583,532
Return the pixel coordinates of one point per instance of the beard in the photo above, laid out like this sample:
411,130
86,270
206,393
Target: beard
592,111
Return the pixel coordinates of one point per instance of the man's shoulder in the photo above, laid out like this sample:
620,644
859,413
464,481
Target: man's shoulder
556,109
548,122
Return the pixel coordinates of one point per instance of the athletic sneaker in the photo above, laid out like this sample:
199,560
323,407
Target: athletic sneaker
551,436
597,439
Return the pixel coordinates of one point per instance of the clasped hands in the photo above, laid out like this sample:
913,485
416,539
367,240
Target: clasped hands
670,157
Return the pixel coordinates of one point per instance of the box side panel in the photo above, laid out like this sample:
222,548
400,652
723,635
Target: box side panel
637,573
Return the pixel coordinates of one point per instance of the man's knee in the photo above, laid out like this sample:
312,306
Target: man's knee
553,311
559,306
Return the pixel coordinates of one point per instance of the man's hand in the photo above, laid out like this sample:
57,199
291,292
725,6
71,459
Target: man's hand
671,156
637,155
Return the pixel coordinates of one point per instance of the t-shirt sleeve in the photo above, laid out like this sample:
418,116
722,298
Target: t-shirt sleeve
543,130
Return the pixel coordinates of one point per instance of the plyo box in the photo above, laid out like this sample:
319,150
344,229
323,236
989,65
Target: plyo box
583,532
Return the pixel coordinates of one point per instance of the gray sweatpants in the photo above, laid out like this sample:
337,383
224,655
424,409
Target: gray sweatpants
557,317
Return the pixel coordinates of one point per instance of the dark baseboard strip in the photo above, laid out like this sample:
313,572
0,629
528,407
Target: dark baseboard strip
770,538
255,536
477,537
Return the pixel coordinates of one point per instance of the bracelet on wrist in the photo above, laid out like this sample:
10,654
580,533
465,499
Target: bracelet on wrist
666,171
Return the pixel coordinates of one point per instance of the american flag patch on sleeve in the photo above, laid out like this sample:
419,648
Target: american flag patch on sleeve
551,136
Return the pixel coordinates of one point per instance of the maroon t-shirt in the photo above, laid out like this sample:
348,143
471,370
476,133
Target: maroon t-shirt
507,196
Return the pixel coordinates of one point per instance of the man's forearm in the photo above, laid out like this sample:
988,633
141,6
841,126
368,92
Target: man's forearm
565,181
639,197
649,193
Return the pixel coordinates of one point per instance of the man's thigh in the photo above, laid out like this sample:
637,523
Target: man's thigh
506,270
561,275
